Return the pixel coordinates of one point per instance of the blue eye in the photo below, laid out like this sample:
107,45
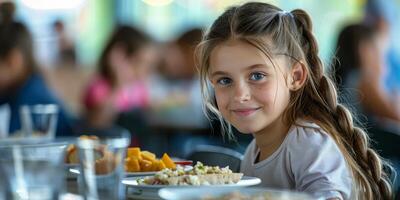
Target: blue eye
256,76
224,81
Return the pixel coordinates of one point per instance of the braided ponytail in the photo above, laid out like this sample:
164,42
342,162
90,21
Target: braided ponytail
371,180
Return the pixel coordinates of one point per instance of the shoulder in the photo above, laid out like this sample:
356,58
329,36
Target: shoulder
35,82
309,134
310,141
317,163
35,90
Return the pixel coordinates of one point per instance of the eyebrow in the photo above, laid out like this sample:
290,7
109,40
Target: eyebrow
251,67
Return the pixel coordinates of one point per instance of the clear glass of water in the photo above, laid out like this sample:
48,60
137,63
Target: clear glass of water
39,120
102,166
32,171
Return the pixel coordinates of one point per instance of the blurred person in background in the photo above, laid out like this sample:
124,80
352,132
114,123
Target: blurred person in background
120,84
7,10
66,50
21,83
176,97
382,17
360,70
176,91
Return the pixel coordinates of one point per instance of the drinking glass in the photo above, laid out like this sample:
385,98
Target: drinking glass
5,115
102,166
32,171
39,120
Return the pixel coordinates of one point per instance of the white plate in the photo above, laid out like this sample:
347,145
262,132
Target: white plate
201,193
245,181
136,174
149,192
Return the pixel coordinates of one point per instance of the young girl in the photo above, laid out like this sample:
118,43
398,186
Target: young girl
268,80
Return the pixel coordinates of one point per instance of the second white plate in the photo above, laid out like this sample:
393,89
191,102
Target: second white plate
149,192
245,181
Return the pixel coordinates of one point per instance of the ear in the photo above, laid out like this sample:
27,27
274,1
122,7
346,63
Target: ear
297,76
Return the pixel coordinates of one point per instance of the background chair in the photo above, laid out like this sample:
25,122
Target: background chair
216,156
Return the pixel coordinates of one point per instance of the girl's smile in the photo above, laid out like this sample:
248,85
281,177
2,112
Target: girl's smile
244,112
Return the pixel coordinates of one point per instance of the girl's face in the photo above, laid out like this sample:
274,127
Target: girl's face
251,93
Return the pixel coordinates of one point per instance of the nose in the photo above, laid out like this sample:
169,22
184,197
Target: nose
242,92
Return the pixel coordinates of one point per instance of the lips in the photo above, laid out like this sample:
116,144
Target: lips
245,111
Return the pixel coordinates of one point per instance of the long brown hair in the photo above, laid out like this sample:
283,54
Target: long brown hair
290,34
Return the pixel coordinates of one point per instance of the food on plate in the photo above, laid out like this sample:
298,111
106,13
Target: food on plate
105,161
72,151
145,161
199,175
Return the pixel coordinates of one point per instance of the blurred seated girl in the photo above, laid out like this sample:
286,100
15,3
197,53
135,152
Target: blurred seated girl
120,85
20,80
360,72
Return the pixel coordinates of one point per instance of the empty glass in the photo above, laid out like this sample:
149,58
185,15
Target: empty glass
102,166
39,120
32,171
5,115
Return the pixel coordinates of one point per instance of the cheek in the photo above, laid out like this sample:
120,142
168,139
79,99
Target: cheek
221,98
282,97
272,94
265,93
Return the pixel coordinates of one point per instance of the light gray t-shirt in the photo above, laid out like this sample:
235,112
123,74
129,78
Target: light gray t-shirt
308,160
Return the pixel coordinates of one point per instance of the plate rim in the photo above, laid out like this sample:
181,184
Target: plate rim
248,181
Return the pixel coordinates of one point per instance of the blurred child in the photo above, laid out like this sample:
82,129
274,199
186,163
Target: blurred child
120,85
66,49
176,93
20,81
382,16
360,68
263,65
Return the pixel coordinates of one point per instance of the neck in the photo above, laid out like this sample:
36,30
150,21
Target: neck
271,137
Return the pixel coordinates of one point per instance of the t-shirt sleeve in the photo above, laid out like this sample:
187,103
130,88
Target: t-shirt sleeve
318,166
